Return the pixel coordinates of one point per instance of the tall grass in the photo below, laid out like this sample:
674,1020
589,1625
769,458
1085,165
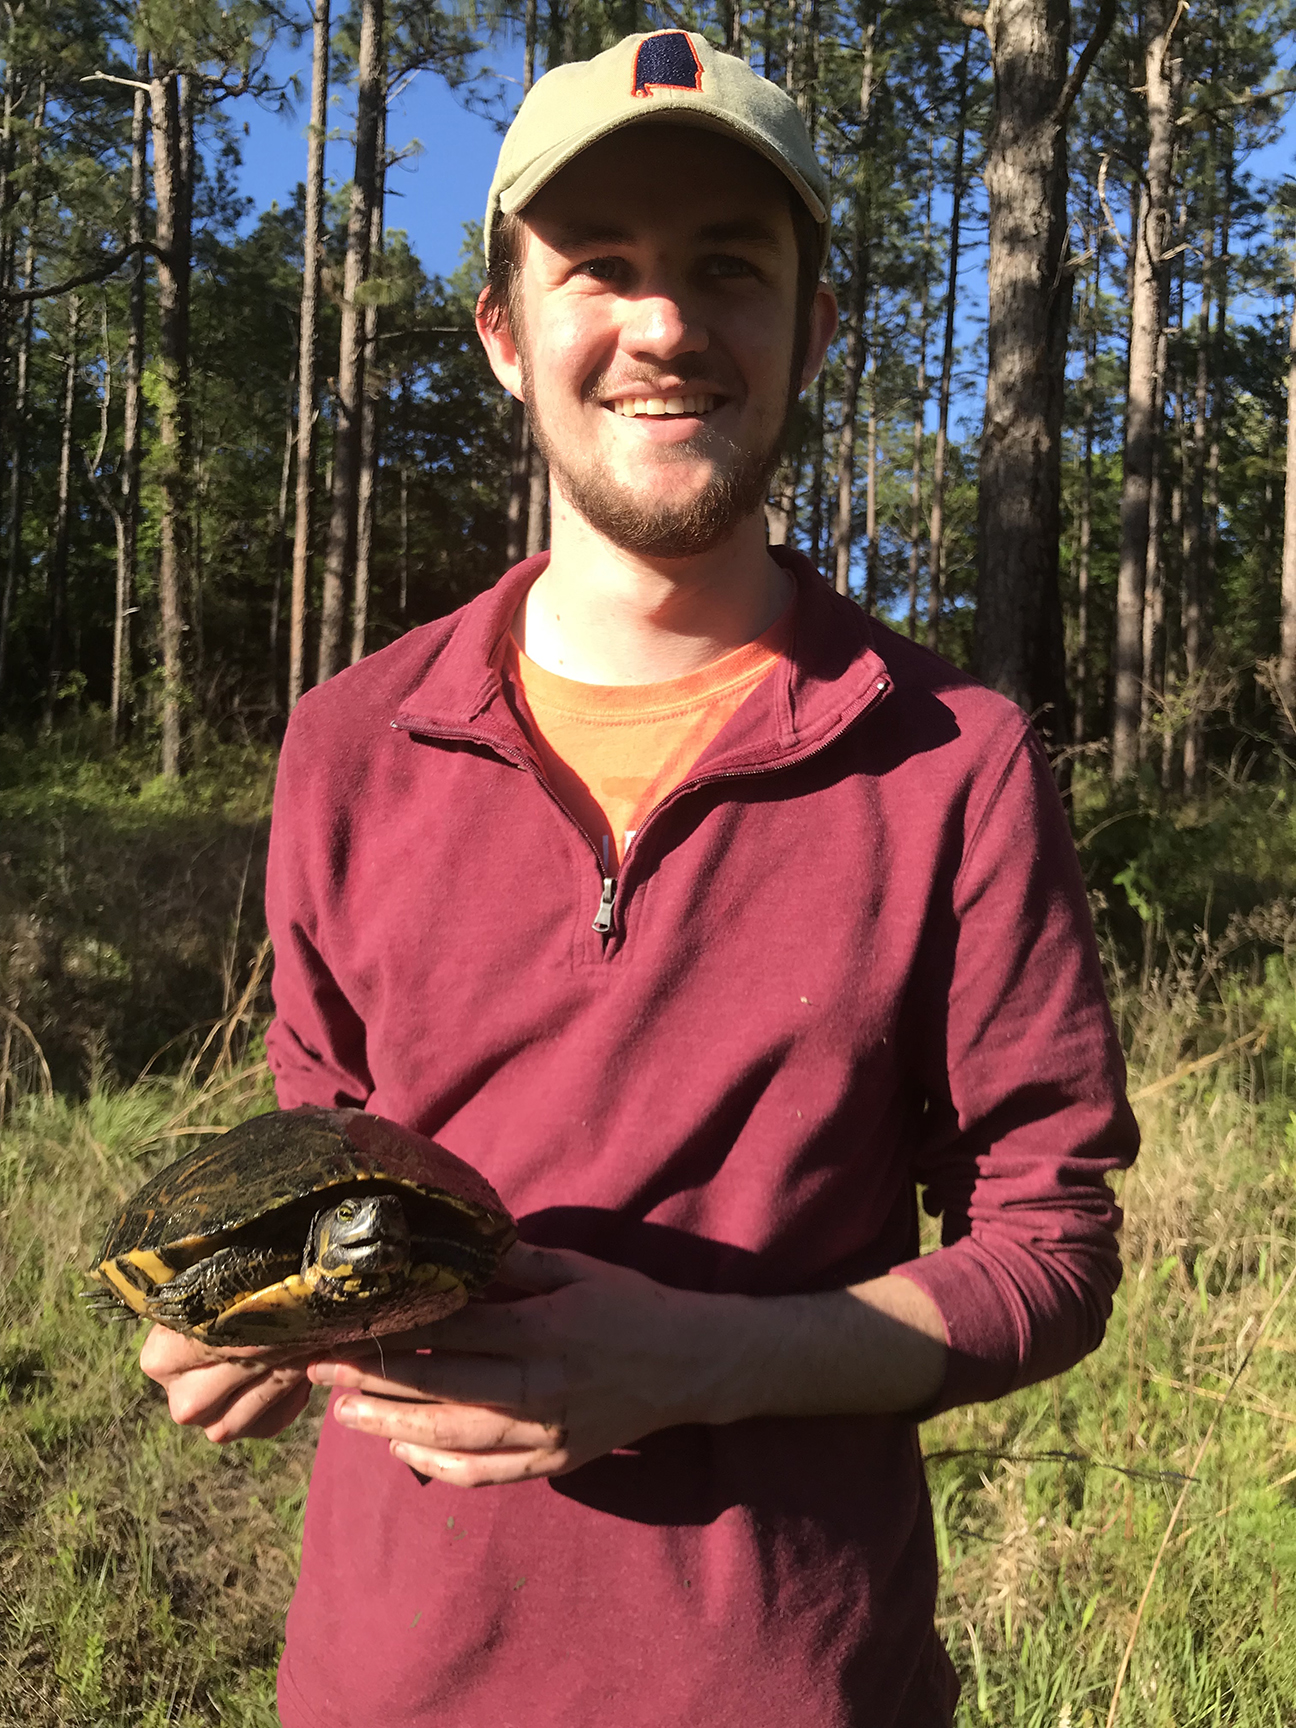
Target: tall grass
1167,1459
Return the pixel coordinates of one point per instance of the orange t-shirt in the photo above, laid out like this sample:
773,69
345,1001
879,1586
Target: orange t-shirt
612,752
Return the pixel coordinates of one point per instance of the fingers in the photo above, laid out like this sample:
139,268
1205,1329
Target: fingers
255,1411
229,1396
447,1428
525,1386
482,1469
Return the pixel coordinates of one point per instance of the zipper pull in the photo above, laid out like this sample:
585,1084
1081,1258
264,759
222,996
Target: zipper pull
603,920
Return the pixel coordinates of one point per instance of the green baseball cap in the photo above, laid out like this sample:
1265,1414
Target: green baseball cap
673,75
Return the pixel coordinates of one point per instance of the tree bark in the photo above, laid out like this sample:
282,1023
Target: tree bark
1287,650
281,527
537,501
132,418
370,93
173,242
307,332
871,469
371,396
852,370
58,569
817,477
920,404
18,437
853,359
519,498
1147,316
1018,643
936,575
1194,576
1080,668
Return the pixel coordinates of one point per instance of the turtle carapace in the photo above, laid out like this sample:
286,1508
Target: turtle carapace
308,1228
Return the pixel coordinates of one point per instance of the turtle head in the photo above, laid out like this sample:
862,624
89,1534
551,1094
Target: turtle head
363,1238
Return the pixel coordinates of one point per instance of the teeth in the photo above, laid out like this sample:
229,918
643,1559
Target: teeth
656,406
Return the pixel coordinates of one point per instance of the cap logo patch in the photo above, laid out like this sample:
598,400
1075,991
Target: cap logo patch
666,61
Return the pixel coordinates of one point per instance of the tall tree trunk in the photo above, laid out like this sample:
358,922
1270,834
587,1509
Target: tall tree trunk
281,527
1193,620
936,575
18,438
853,360
920,403
8,237
852,370
519,498
817,477
371,396
370,93
1079,673
132,418
173,242
1150,242
307,329
1287,651
537,501
871,469
1018,643
58,569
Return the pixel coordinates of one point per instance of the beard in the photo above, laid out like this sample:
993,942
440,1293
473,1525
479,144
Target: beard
736,490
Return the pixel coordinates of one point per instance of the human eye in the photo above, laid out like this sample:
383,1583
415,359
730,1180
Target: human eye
728,266
601,269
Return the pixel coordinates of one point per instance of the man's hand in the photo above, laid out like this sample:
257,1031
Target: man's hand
244,1394
595,1359
599,1356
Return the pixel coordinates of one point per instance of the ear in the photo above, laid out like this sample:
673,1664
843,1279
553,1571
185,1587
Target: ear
501,350
823,327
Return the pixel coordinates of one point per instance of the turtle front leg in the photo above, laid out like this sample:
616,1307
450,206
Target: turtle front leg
206,1289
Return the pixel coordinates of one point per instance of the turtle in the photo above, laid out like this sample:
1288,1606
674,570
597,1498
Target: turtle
305,1228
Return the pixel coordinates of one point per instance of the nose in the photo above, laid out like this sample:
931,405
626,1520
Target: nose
661,323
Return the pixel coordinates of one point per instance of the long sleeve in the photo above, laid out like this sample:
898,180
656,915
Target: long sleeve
1026,1104
316,1041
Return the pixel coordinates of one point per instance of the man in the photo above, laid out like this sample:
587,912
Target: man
708,919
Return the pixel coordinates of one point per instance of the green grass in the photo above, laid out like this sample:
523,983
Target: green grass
144,1573
1052,1505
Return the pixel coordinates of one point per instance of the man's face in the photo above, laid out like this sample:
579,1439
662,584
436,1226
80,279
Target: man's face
658,333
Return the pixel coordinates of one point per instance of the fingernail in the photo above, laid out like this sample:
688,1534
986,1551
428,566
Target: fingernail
349,1412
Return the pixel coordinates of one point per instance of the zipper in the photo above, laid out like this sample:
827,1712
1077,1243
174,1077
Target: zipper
604,918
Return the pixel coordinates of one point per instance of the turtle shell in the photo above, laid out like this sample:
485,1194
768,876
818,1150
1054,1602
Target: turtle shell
215,1244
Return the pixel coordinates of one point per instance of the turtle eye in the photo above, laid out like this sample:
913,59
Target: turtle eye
346,1211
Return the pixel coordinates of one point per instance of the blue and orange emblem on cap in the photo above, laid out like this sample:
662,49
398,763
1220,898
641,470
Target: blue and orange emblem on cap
666,61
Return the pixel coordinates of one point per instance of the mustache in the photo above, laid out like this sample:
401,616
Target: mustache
642,382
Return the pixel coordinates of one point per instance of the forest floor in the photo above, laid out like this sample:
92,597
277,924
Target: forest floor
1130,1526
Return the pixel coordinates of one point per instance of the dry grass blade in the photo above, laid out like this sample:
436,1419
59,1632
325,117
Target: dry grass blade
1183,1495
1254,1037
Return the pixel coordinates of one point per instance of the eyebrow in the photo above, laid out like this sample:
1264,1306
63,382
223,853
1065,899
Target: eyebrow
746,230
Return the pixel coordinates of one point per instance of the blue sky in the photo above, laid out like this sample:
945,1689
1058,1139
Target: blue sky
430,194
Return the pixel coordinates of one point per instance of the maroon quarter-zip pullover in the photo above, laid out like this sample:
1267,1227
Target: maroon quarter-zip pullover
847,959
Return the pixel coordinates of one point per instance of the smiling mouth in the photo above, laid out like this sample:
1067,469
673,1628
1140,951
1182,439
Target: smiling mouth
635,407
